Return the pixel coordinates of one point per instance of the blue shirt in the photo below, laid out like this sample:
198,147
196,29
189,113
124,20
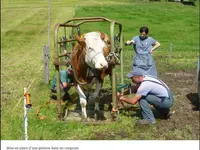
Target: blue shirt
148,87
143,46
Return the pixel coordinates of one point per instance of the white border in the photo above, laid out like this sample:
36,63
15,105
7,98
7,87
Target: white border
100,145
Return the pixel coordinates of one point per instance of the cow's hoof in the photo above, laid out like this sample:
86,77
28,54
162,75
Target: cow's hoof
83,119
115,116
66,114
98,115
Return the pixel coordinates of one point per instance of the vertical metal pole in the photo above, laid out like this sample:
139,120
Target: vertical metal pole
46,64
25,116
114,90
49,22
198,78
72,36
57,72
72,29
171,50
101,4
121,56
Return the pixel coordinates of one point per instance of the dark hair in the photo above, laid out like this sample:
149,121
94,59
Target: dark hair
144,29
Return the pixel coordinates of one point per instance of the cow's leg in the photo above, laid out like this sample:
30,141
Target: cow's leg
97,113
83,102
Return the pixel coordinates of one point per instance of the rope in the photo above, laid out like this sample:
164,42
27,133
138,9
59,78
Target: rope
27,90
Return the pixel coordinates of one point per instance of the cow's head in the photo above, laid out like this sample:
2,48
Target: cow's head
94,48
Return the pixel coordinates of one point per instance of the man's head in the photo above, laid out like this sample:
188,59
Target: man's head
136,75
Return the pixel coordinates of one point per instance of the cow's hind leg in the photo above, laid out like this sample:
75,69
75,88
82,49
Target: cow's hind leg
83,102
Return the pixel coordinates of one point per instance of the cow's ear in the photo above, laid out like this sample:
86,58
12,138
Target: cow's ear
102,36
79,39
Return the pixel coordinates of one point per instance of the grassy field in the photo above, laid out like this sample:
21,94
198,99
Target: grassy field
24,26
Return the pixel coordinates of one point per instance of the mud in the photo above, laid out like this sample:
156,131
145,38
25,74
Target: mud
186,105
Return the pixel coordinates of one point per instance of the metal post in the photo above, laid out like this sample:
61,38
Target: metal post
171,50
72,29
46,64
25,116
121,58
49,22
114,90
198,77
57,72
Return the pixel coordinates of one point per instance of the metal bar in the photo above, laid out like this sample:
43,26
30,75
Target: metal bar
65,33
72,43
114,90
121,56
57,72
198,78
49,22
59,42
170,55
83,18
90,19
68,25
75,25
46,64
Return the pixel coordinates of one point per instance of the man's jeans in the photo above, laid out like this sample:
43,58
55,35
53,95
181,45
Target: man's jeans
160,104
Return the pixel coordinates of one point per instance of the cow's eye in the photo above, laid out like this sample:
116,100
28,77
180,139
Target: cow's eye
90,48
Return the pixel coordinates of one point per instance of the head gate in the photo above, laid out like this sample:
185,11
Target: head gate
63,50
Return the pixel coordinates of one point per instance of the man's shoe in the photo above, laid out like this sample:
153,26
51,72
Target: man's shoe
143,121
169,114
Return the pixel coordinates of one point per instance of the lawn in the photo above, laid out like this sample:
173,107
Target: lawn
24,32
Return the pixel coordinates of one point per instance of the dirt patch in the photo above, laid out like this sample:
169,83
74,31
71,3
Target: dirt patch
105,106
186,105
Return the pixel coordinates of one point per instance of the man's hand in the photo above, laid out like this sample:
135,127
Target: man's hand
132,101
119,95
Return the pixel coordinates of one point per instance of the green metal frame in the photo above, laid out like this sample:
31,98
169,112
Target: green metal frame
57,61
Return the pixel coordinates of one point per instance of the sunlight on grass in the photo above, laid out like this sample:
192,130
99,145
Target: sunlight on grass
24,33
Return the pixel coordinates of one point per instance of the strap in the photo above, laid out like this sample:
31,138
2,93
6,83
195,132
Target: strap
158,83
168,90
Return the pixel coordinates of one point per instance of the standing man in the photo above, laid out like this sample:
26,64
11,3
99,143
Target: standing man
152,91
144,47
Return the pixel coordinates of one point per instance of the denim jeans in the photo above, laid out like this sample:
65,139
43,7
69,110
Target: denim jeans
162,105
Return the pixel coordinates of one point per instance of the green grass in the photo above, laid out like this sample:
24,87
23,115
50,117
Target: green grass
24,33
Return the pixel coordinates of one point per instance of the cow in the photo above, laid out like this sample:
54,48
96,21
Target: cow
90,65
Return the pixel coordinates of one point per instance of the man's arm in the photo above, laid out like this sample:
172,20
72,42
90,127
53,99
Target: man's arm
133,100
132,88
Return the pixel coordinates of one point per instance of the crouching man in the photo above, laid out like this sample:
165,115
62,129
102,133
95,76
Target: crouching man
66,80
152,91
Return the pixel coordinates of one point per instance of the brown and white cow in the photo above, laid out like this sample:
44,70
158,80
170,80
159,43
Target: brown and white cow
90,66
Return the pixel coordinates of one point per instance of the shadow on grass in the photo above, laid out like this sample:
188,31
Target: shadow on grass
189,3
193,98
